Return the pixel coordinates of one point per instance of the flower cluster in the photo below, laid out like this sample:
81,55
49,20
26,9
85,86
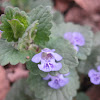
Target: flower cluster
57,81
49,62
75,38
95,76
48,59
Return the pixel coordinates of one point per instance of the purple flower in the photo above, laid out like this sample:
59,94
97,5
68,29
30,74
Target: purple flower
75,38
47,77
58,81
47,57
95,76
1,31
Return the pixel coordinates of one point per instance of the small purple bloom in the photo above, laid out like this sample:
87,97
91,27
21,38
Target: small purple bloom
1,31
58,81
47,77
47,57
95,76
75,38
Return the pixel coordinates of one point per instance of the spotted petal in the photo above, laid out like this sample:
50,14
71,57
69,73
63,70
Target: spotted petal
50,66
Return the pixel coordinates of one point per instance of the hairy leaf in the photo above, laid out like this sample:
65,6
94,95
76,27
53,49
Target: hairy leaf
91,62
17,27
44,17
14,23
8,54
63,28
67,52
17,91
43,91
20,91
65,49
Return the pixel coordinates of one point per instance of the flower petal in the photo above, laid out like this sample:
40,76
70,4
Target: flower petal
36,58
68,36
44,67
76,48
53,85
98,68
47,77
91,73
78,39
57,56
57,67
67,74
95,80
63,82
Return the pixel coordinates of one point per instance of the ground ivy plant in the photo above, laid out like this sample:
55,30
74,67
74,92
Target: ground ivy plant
50,52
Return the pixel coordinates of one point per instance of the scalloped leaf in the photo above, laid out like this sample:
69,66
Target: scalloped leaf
22,17
66,51
57,17
20,91
27,5
35,3
8,54
17,91
96,41
44,17
43,91
14,23
17,27
33,68
91,62
85,50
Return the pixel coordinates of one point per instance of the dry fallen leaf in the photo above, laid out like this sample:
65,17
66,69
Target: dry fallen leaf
94,93
4,83
90,6
61,5
17,72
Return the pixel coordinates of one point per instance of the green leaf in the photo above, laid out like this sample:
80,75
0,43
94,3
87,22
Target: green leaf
61,29
91,62
96,41
57,17
35,3
82,96
20,91
26,42
44,17
22,18
65,49
14,23
44,92
17,91
33,68
67,52
8,54
17,27
9,12
7,30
